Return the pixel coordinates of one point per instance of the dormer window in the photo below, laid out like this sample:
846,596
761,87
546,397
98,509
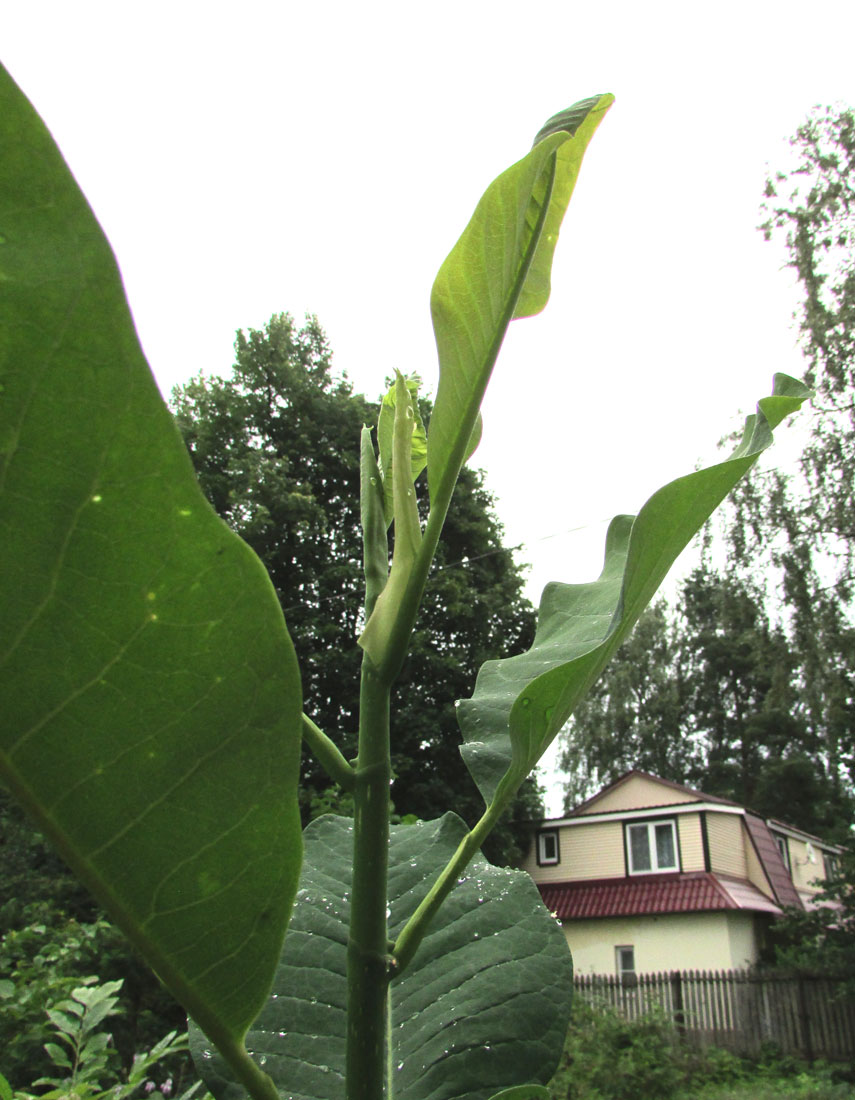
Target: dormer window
547,847
784,849
651,846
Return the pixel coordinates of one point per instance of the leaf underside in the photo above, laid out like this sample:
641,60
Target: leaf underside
499,269
484,1004
520,703
149,690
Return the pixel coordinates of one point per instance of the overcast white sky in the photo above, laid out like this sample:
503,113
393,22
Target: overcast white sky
254,158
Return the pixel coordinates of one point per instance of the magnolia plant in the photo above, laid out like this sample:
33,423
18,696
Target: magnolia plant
151,701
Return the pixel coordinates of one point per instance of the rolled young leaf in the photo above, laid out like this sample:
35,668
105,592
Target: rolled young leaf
149,690
385,440
375,637
520,703
484,1004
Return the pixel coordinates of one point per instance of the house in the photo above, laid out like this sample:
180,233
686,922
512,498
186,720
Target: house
649,875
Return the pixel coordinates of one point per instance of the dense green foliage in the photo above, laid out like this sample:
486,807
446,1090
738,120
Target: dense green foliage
609,1058
276,450
44,955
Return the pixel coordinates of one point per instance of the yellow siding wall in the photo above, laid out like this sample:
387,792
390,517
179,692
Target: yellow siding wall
678,941
585,851
806,875
636,793
727,839
691,842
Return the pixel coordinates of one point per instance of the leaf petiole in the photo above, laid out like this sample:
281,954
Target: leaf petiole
328,755
416,928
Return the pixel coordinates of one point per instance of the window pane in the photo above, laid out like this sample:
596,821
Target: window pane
626,959
639,848
548,848
665,855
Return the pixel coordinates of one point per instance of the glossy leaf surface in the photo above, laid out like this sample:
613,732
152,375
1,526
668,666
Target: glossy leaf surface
149,690
520,703
484,1004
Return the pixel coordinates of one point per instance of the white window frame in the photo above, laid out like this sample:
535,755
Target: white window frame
651,827
783,846
626,974
544,860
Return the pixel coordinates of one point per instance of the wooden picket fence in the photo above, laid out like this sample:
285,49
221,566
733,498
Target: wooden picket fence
805,1015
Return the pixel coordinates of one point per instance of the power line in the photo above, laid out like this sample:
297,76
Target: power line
473,558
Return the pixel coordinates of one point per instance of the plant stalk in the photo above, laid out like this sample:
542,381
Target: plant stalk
368,962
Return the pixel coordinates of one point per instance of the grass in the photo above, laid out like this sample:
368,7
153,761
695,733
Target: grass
804,1086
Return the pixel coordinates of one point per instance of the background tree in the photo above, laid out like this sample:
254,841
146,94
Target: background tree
634,716
705,696
276,450
755,667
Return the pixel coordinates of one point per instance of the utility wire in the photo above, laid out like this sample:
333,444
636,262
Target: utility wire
473,558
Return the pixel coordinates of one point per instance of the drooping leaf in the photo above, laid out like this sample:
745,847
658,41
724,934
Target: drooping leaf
483,1005
499,269
520,703
149,690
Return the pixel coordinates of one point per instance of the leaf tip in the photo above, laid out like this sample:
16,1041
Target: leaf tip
570,119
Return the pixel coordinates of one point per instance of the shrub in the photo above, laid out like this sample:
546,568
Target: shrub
609,1058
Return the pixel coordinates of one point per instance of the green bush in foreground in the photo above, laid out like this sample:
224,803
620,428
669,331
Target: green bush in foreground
606,1057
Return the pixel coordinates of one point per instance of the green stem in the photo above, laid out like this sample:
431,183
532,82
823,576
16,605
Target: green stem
367,954
328,754
417,926
257,1083
398,641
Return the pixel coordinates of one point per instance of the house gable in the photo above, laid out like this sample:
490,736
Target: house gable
639,790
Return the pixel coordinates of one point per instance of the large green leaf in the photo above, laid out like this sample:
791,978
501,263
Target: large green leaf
497,270
483,1005
149,690
520,703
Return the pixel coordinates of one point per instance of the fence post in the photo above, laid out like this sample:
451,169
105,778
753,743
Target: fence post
677,1002
804,1017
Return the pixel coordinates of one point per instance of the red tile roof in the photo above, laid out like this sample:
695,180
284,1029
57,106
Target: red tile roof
649,894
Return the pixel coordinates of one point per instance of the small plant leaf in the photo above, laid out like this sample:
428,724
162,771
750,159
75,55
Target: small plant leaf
520,703
63,1022
58,1056
485,1002
499,269
149,689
